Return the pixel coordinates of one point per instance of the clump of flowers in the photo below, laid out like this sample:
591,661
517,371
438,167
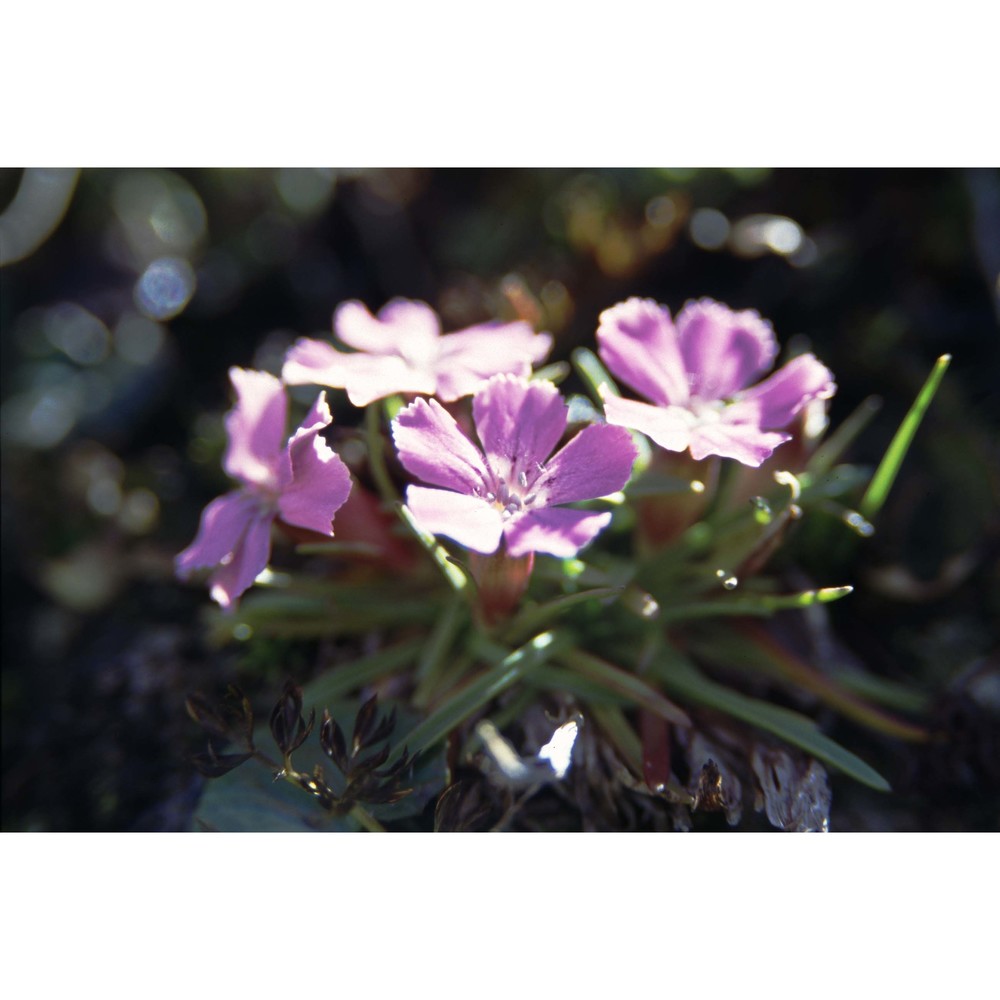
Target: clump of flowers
528,590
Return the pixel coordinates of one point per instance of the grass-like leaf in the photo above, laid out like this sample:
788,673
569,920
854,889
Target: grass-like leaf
885,474
594,374
687,682
750,647
621,682
452,571
759,605
532,618
348,677
478,693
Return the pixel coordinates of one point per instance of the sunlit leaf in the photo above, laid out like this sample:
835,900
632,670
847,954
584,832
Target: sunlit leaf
688,683
885,474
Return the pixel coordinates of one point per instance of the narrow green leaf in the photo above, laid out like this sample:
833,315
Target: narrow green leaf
885,474
552,678
452,571
750,648
555,372
593,373
753,604
687,682
658,484
531,619
478,693
618,681
347,677
437,646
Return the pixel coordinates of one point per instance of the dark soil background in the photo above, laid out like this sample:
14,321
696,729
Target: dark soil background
111,436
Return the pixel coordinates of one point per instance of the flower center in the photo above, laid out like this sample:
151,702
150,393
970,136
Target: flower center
511,496
707,411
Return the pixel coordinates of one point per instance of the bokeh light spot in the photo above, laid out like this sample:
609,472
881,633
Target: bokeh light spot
138,339
305,192
139,511
79,334
709,228
165,288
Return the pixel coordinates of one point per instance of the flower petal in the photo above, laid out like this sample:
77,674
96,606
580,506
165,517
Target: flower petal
669,426
723,350
255,426
470,521
784,393
519,423
432,448
250,557
404,328
737,435
473,355
596,462
223,523
557,531
320,480
314,362
366,377
317,417
636,340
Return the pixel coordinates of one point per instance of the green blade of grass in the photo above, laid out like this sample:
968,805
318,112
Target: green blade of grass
478,694
687,682
593,373
552,678
621,682
348,677
885,474
452,571
531,619
555,372
432,661
753,604
757,652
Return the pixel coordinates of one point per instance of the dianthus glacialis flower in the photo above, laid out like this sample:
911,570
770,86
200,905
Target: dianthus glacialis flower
402,350
696,374
302,482
514,488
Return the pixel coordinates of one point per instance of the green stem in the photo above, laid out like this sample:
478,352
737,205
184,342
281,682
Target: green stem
376,453
367,820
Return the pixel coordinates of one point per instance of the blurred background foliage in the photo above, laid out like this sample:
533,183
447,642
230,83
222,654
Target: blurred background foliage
127,294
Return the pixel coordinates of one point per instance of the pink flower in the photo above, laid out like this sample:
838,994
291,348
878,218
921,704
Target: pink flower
696,375
302,482
402,350
512,489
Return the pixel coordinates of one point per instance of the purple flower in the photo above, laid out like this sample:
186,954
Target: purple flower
302,482
402,350
512,489
696,373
